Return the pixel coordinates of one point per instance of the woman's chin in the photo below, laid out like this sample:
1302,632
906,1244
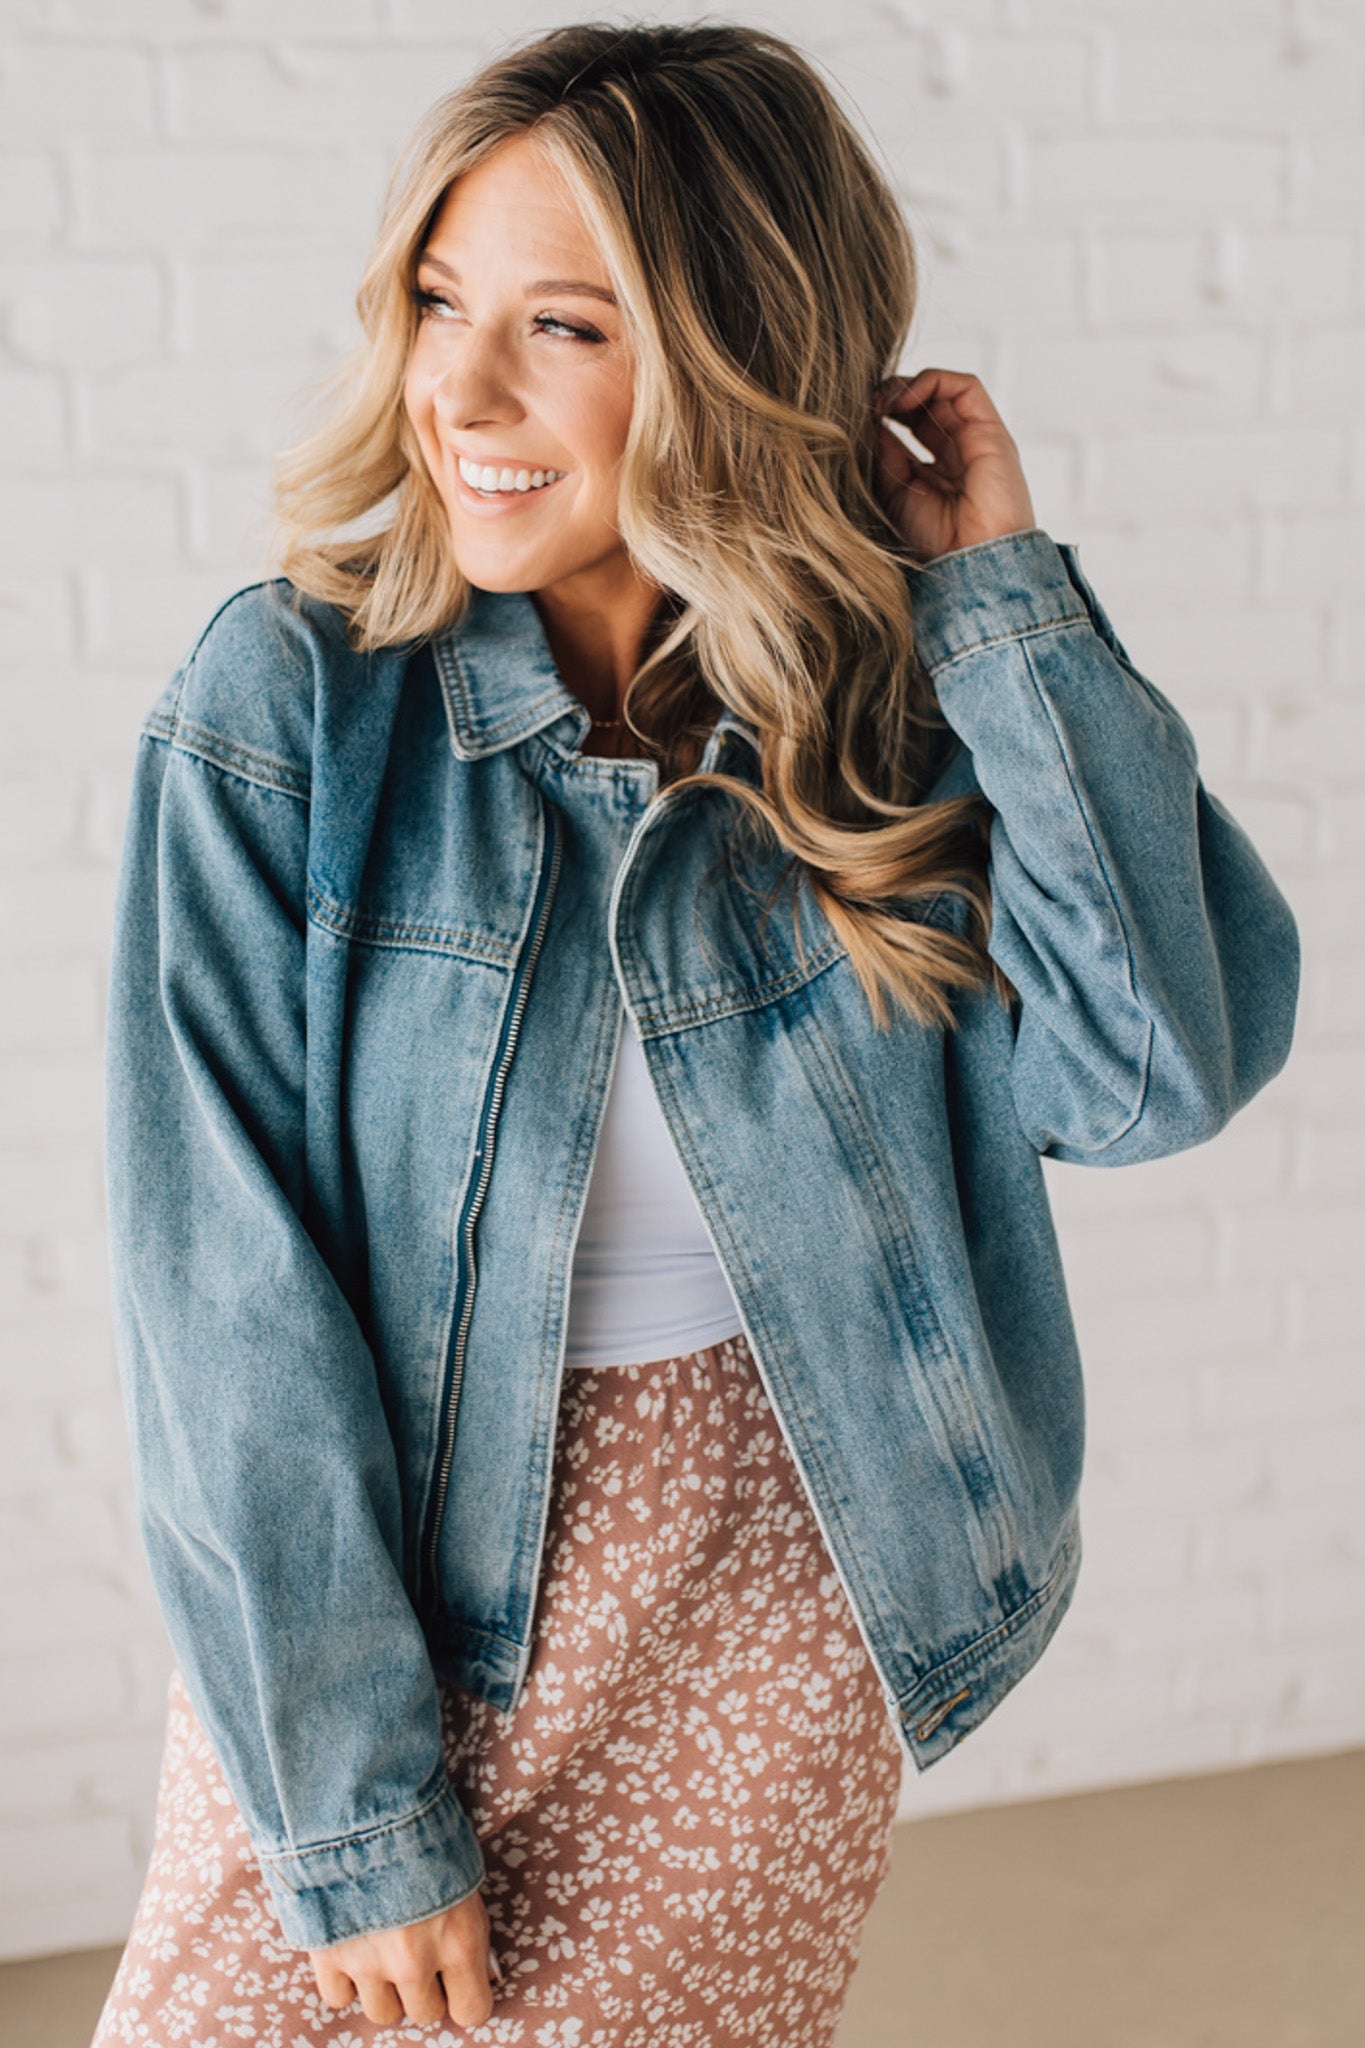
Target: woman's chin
496,563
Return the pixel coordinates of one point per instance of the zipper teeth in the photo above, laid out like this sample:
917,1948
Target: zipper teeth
564,1324
649,819
643,824
471,1216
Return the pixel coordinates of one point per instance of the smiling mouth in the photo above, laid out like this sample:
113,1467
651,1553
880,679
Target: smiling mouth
488,481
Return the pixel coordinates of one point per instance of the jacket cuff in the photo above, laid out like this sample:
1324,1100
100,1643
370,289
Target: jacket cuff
994,590
387,1876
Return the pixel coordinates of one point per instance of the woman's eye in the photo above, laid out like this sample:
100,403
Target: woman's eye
430,305
565,327
427,302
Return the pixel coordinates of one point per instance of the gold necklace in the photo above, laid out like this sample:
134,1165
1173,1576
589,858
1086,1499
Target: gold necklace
617,724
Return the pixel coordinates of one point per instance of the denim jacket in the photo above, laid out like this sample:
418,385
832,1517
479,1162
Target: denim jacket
376,920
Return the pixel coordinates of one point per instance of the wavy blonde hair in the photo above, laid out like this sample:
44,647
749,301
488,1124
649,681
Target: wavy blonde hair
767,283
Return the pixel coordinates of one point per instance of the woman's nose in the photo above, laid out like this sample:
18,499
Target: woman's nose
473,388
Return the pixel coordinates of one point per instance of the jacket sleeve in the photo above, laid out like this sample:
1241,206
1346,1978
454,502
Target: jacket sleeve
266,1477
1156,961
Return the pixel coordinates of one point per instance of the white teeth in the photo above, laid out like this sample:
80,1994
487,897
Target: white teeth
483,477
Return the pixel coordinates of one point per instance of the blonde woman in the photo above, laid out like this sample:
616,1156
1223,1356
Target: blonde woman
606,936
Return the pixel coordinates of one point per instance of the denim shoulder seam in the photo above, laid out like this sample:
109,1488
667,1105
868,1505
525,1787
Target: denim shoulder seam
218,748
1082,809
248,764
242,590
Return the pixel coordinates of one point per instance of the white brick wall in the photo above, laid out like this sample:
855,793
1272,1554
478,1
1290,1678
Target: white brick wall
1143,227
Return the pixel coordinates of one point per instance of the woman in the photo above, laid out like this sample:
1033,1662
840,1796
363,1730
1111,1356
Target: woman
601,952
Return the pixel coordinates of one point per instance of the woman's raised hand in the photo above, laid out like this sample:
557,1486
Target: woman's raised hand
973,490
433,1970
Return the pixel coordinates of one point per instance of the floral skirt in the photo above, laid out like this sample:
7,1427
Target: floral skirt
684,1817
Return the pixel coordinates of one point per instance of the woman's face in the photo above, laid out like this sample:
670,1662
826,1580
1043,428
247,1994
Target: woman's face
520,366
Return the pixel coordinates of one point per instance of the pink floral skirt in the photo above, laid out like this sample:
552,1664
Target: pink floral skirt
685,1816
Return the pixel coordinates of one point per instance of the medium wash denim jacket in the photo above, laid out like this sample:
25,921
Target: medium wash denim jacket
376,920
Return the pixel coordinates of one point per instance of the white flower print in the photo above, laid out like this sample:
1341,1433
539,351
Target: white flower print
684,1817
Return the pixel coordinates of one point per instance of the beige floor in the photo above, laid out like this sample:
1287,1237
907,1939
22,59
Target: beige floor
1221,1912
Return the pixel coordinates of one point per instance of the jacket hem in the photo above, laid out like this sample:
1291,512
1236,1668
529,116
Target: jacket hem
958,1695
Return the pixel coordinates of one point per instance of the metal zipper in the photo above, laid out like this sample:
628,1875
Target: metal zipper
548,1489
474,1200
647,819
889,1695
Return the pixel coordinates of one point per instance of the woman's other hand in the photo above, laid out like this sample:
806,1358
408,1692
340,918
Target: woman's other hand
433,1970
974,488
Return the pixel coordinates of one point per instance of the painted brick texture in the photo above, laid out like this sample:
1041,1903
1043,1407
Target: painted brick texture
1143,227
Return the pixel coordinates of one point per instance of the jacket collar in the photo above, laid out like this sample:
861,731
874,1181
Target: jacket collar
499,681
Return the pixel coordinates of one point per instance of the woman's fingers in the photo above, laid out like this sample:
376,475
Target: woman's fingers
904,470
946,456
931,435
423,1998
468,1995
950,400
456,1990
931,422
379,2000
962,388
464,1949
335,1988
968,484
423,1971
934,426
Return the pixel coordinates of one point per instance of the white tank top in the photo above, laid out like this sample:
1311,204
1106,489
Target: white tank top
645,1284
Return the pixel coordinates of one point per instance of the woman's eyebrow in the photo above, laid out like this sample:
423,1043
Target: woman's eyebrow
579,286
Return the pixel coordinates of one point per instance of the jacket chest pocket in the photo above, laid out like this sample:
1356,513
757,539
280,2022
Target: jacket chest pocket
446,864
